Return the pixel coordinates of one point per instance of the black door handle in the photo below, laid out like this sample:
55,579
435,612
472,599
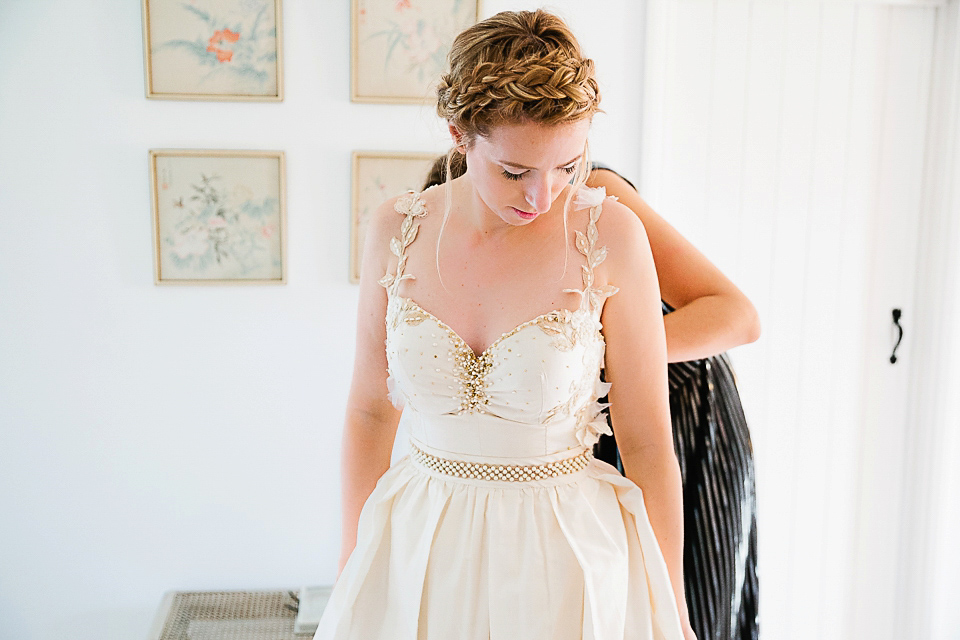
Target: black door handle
896,321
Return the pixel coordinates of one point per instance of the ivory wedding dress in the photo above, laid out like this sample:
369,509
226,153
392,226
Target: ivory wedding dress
499,524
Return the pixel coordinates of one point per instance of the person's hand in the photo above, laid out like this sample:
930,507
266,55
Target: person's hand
688,633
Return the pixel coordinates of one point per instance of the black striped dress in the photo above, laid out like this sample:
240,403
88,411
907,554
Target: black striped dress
713,446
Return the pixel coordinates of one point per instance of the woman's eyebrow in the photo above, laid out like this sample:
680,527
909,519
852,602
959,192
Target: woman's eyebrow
520,166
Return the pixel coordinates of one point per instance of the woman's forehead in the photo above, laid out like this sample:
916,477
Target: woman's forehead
530,143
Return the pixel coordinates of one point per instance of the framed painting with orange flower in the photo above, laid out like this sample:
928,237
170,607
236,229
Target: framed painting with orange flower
377,176
219,217
213,49
399,47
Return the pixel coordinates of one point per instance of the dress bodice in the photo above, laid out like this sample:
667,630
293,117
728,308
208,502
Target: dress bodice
534,391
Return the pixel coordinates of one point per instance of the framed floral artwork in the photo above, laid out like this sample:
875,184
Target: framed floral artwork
219,217
399,47
213,49
377,176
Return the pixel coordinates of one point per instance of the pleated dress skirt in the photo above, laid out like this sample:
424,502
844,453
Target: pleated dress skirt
440,557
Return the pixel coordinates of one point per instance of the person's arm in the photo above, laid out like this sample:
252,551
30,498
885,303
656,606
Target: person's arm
636,367
371,420
711,314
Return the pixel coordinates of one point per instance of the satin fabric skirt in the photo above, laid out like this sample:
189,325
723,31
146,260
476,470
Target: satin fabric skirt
439,557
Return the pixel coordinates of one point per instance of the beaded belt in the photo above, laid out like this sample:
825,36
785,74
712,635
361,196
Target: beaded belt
508,472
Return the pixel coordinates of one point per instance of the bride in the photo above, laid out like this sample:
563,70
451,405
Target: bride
488,306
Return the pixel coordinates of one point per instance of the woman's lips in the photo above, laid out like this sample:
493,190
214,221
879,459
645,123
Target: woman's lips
526,215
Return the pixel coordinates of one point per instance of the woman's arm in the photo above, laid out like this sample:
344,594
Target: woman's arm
371,420
636,367
711,314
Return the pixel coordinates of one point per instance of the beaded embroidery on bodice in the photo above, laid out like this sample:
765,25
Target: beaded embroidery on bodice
539,382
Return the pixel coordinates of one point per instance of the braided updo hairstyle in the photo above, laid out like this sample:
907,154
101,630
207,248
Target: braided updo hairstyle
515,67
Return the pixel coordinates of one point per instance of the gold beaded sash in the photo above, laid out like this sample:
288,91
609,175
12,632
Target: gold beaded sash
507,472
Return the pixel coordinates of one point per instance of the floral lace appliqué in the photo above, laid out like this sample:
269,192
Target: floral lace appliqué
591,422
592,297
411,207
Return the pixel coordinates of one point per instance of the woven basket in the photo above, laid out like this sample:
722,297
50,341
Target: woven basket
228,615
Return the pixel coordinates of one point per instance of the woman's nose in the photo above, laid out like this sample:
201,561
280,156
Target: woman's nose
538,195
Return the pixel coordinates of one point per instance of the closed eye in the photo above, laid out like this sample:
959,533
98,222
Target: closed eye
516,176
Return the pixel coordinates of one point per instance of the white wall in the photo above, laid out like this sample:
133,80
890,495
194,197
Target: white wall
156,438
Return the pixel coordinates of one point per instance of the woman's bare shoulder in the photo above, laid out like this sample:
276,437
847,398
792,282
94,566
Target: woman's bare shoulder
433,199
383,224
619,227
622,236
385,219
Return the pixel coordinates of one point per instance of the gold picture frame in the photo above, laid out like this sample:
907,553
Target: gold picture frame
377,176
219,216
228,50
398,48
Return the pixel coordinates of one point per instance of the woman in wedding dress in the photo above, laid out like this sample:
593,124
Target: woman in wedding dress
488,307
710,431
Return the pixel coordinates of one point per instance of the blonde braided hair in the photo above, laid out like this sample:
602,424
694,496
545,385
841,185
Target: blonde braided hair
516,66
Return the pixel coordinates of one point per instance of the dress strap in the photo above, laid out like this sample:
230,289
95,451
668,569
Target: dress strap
592,297
411,207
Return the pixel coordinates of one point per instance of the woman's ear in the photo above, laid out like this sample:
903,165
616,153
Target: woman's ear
457,139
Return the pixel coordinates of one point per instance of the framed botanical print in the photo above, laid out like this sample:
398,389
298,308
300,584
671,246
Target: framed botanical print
213,49
377,176
399,47
219,217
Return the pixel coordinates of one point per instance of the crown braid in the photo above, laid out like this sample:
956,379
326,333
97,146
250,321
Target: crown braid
516,66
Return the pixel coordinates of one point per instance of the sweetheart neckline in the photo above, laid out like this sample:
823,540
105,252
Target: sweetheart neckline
503,336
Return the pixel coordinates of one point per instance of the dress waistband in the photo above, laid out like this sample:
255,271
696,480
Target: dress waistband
501,472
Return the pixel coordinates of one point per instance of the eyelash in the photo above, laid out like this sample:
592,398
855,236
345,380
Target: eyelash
517,176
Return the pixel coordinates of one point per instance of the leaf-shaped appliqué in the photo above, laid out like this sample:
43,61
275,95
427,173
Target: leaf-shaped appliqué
395,247
586,244
405,225
607,290
592,234
550,328
582,245
559,325
414,317
408,231
598,256
587,276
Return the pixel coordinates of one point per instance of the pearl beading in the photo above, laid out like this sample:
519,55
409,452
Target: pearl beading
503,472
